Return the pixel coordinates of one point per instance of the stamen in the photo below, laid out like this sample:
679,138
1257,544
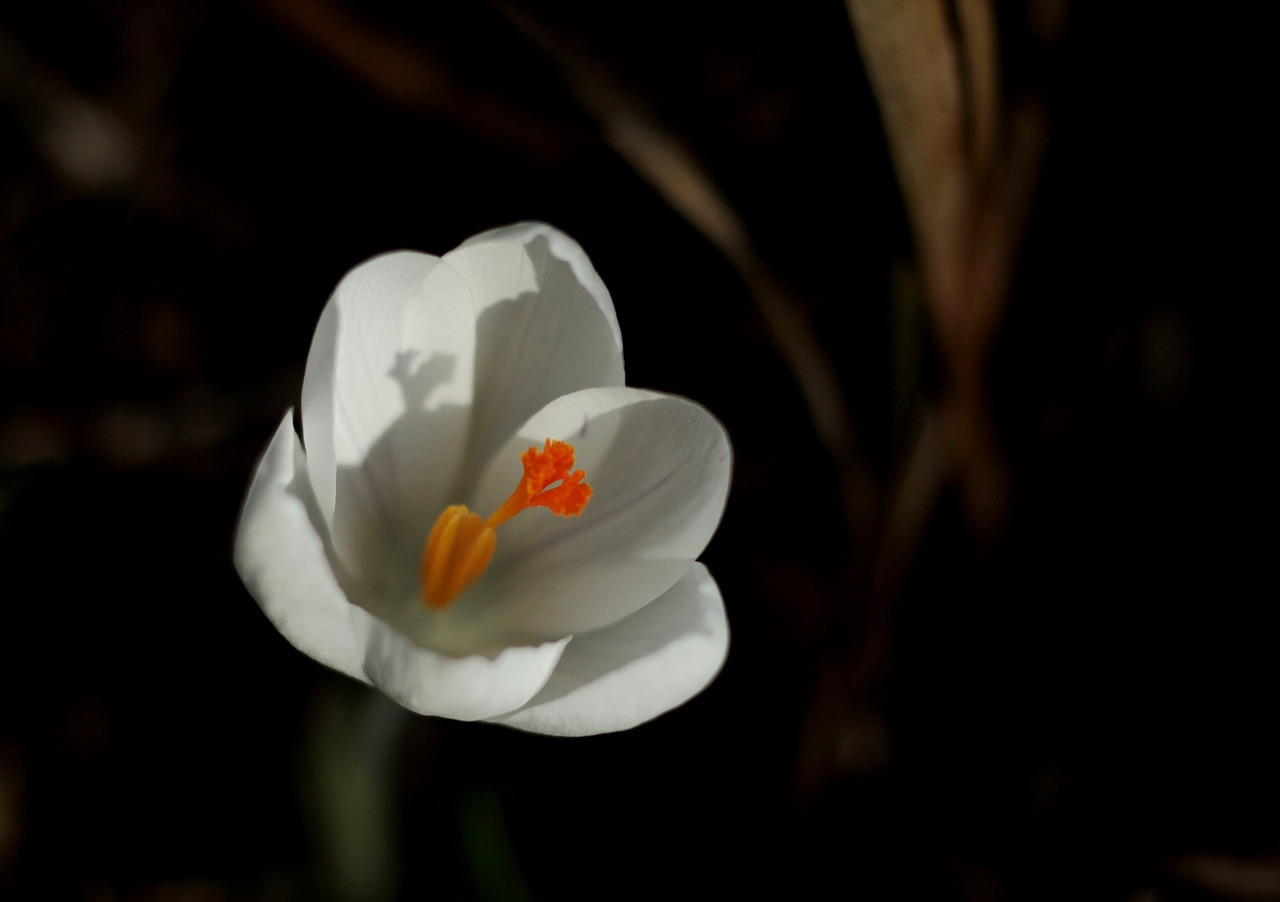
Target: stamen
457,552
461,545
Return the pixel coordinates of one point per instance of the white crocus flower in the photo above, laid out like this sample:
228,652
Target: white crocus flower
435,383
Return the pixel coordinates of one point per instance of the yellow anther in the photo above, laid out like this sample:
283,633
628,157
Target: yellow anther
457,552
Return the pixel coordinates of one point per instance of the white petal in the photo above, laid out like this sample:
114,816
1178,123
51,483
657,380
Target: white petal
659,466
281,558
640,667
545,326
385,405
475,687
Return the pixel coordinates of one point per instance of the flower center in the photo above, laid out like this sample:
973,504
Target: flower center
461,544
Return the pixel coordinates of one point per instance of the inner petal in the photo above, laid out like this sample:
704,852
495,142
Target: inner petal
388,385
545,326
660,469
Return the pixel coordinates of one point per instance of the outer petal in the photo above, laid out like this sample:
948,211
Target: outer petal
640,667
545,326
385,404
659,466
281,558
463,688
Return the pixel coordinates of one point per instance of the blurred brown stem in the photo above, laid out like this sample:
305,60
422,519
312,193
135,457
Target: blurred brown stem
967,170
407,76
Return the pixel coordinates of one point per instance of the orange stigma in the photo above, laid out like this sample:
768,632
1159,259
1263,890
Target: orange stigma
461,544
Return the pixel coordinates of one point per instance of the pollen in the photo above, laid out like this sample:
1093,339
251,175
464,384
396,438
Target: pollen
461,544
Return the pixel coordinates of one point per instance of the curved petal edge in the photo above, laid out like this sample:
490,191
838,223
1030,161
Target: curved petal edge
642,666
474,687
563,248
282,560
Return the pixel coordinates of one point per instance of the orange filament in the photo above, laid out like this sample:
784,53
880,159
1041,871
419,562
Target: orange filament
460,545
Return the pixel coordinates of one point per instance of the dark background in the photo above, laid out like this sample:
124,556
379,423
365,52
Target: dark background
1072,704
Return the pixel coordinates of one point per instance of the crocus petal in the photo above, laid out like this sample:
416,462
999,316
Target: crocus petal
385,402
545,326
474,687
281,558
640,667
659,466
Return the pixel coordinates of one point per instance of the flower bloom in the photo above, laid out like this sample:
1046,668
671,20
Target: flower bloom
485,522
